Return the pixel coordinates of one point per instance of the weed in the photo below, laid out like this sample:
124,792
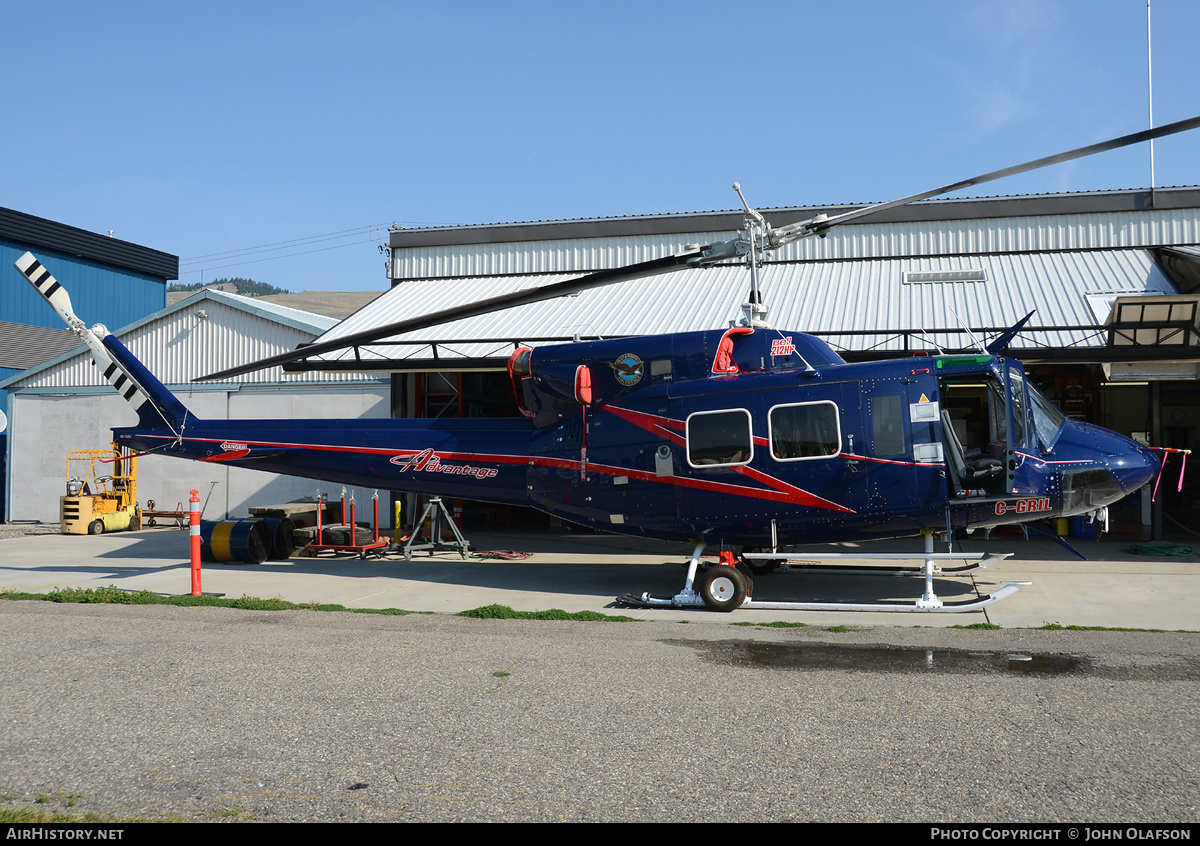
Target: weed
978,626
42,799
9,816
503,612
114,595
782,624
1059,627
500,674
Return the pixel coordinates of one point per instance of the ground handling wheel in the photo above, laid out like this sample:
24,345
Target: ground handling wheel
723,588
96,527
759,567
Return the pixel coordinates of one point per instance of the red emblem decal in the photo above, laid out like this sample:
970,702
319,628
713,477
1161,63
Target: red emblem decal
783,346
428,461
1023,506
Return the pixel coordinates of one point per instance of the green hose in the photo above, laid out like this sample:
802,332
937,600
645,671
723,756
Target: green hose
1160,549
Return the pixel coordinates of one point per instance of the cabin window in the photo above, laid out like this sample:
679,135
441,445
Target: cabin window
719,438
804,430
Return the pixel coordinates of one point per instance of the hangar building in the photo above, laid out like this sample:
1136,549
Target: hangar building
1113,278
65,404
111,281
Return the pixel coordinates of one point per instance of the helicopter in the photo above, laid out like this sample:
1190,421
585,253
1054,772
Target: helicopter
748,437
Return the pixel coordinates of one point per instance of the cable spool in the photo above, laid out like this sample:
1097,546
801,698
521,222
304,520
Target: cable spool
228,541
279,530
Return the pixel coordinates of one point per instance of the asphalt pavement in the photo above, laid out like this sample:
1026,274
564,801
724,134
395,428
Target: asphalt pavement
216,714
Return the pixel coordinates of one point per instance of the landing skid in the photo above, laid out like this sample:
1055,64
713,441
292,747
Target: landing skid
724,587
978,561
696,601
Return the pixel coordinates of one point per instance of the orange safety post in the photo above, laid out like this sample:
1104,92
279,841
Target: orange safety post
195,532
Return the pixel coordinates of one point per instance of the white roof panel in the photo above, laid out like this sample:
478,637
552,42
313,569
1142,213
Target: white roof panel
803,296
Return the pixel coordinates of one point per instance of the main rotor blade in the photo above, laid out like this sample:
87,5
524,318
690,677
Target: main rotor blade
599,278
1090,150
704,255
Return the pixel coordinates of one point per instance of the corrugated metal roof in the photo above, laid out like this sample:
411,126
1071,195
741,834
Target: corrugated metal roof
33,231
305,321
22,346
807,296
177,344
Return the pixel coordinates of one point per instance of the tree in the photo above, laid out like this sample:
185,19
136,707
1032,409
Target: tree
245,287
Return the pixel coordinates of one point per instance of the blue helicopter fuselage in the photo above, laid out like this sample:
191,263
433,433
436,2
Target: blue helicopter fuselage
747,437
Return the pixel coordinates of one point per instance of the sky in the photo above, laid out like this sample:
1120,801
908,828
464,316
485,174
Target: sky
279,140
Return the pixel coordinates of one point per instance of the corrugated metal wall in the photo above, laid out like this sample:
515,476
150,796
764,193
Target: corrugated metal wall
182,346
854,241
99,293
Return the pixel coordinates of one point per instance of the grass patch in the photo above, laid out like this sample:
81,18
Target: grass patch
1059,627
10,816
843,629
503,612
978,626
113,595
774,624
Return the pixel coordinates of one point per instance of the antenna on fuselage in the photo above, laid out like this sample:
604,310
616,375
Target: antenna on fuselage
925,336
978,343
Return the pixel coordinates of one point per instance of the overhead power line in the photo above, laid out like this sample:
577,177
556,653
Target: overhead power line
281,245
287,249
208,267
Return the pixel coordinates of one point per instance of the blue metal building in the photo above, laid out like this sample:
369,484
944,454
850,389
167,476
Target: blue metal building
111,281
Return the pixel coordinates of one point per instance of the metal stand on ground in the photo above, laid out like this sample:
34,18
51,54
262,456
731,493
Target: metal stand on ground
435,510
377,546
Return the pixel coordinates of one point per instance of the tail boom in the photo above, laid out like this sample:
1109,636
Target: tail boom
482,460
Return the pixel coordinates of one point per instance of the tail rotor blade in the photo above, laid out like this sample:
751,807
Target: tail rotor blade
49,288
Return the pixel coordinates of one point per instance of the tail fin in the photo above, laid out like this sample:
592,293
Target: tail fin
154,404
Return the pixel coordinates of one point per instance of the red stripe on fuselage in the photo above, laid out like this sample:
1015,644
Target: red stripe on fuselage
783,492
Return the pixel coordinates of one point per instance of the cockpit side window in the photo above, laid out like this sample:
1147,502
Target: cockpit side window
1047,419
1020,408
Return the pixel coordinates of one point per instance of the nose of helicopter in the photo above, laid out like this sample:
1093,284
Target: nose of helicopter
1130,463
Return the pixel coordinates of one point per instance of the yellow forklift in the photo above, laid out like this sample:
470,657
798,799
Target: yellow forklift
104,498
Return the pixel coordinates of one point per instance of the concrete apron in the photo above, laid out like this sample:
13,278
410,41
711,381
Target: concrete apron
577,572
